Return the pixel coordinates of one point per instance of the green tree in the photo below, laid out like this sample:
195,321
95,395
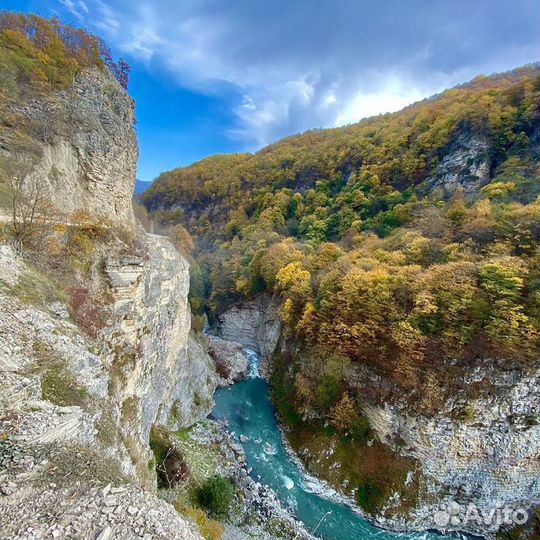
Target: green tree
216,496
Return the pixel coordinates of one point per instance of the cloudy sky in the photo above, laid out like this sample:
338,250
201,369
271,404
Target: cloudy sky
215,76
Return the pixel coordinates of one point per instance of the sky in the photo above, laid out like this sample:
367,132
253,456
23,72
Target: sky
215,76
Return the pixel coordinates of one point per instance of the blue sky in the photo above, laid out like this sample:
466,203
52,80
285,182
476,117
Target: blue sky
215,76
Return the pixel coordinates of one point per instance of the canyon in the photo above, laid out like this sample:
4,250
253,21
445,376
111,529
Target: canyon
90,373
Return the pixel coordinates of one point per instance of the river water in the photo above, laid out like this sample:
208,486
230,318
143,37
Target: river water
247,408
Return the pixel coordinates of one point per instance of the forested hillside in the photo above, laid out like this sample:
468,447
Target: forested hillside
404,246
404,236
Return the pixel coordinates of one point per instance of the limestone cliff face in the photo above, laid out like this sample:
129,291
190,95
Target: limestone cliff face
86,403
255,324
482,450
465,165
83,146
169,376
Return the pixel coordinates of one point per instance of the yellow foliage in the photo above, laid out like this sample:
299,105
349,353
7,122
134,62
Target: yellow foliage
344,414
209,528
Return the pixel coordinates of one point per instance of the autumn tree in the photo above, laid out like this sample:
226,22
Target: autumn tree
344,414
32,215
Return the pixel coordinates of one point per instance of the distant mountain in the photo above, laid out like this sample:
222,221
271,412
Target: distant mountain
141,186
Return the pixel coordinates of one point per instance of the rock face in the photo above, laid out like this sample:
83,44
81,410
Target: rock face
255,324
171,378
88,406
230,359
85,147
483,451
80,403
465,165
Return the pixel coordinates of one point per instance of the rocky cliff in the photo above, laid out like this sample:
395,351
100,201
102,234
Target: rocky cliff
255,324
478,448
83,379
79,146
468,445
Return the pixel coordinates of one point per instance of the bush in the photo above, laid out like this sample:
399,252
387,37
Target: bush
86,311
216,496
328,391
361,429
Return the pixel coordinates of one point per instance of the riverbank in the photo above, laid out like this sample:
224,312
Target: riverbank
252,421
256,513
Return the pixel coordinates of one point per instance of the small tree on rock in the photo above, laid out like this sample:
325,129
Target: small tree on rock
344,414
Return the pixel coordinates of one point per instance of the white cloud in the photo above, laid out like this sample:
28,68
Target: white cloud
296,66
74,9
83,7
107,20
390,97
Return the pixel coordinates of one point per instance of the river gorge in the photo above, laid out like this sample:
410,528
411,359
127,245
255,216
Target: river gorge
250,415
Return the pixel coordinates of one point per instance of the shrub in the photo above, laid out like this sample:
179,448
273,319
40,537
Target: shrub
344,414
86,312
361,429
37,289
216,496
328,391
170,465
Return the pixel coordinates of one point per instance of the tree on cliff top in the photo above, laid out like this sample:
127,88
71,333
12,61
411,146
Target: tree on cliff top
40,54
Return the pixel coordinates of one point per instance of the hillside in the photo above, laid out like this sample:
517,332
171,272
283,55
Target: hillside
402,254
354,173
394,202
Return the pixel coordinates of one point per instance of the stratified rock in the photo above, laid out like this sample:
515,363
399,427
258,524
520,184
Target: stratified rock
255,324
88,147
465,165
230,359
140,368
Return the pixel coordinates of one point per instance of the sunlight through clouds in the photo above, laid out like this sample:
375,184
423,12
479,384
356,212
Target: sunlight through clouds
294,68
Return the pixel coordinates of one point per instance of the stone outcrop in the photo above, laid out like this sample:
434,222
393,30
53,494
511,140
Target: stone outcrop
76,408
465,166
482,450
170,378
230,359
83,147
255,324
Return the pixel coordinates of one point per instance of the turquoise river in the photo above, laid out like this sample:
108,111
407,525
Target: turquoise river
247,409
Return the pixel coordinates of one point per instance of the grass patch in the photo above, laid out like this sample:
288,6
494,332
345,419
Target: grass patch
78,463
203,460
35,289
466,415
106,427
61,388
130,410
210,529
44,357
